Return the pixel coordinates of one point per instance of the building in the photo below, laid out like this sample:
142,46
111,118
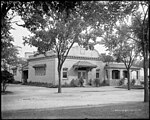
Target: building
20,71
79,62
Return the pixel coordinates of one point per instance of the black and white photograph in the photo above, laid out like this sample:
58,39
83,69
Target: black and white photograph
75,59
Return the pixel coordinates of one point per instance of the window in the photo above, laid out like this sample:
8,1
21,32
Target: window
115,74
125,74
14,71
40,71
65,73
107,74
97,73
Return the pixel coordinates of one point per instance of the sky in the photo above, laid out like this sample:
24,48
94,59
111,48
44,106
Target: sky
18,32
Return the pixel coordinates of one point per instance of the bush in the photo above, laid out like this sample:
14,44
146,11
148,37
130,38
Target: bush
66,85
74,83
121,82
104,83
81,81
97,82
17,82
90,82
133,82
7,77
39,84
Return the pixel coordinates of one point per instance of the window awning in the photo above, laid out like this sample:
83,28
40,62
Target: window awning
39,65
84,64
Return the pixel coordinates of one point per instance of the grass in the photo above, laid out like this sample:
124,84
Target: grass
132,110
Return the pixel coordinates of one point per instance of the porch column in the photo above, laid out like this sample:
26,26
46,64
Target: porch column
121,73
138,74
110,74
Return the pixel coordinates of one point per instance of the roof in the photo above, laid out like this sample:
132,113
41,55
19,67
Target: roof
119,66
84,64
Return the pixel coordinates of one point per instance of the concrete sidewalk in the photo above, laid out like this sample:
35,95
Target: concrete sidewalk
31,97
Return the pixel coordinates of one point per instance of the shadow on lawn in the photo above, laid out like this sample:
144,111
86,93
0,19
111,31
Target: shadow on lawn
132,87
6,93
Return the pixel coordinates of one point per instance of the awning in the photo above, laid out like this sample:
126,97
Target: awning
84,64
39,65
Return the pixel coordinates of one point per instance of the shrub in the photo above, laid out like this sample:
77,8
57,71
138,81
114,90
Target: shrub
6,77
104,83
66,85
97,82
90,82
17,82
121,82
81,81
40,84
133,82
74,83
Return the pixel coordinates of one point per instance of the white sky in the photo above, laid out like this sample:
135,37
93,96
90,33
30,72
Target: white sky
19,32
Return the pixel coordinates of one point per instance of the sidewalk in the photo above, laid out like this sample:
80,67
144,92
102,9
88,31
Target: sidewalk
31,97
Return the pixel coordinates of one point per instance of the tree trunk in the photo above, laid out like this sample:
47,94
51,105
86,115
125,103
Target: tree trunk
146,89
129,87
59,79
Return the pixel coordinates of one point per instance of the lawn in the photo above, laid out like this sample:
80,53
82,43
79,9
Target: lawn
122,111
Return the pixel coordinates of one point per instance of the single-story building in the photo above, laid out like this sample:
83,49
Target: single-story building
79,62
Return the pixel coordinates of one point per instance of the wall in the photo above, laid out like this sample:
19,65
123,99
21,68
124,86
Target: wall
50,70
18,76
81,52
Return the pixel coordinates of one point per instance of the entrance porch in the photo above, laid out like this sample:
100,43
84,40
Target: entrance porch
82,68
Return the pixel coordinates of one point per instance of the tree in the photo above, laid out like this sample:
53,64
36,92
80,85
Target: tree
96,15
55,31
128,55
58,25
123,48
140,34
106,58
140,27
6,78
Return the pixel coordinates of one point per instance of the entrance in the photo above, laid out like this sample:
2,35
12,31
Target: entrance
25,76
83,74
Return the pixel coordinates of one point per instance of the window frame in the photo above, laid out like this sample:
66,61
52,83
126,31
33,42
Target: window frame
98,73
115,73
38,70
65,70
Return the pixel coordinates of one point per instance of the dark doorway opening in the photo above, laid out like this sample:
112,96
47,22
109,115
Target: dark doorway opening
25,76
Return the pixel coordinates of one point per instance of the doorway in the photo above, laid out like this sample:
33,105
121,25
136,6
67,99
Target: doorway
25,76
83,74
